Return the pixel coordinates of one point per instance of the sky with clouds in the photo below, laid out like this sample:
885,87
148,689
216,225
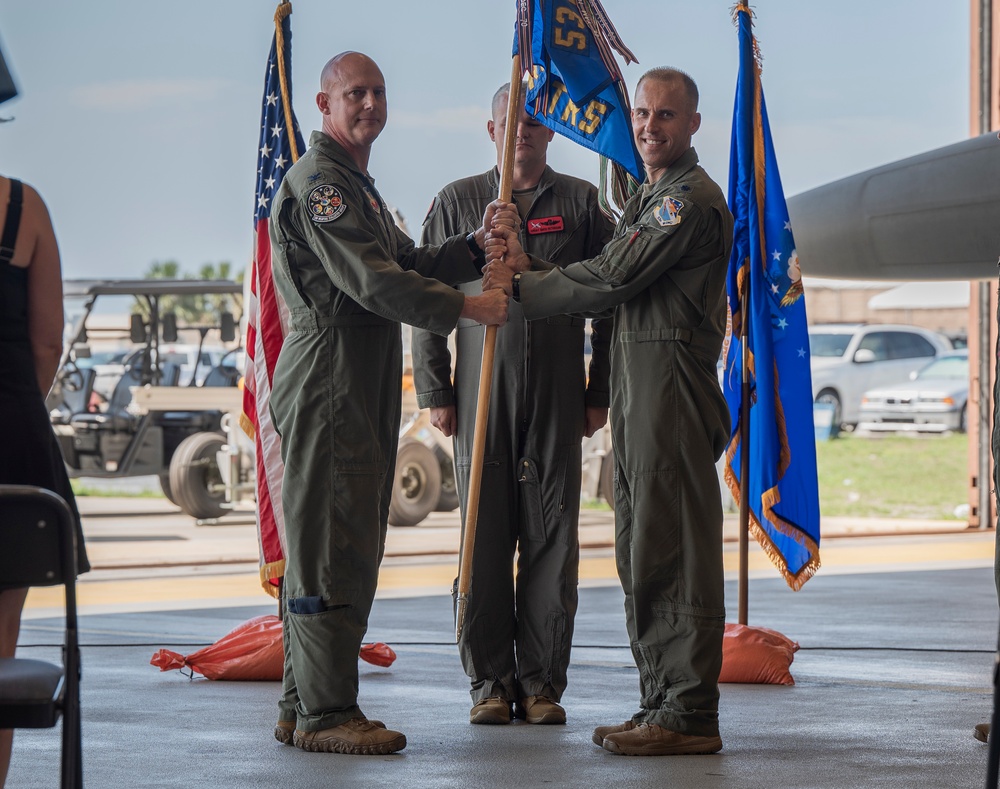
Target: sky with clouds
138,122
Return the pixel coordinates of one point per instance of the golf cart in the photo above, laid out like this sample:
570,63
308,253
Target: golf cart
175,431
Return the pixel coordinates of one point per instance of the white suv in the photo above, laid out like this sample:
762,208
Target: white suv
850,359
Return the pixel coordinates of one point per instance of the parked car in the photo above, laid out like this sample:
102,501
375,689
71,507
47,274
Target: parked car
850,359
933,400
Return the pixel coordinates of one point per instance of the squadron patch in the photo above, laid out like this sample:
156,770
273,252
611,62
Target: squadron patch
669,212
372,201
325,203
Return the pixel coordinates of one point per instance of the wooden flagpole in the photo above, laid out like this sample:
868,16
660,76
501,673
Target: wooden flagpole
743,584
515,101
744,572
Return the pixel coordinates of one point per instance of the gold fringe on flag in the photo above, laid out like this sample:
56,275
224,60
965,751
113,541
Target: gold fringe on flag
769,500
617,185
247,426
273,571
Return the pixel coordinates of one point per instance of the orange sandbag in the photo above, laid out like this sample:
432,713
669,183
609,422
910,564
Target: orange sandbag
253,651
756,655
378,654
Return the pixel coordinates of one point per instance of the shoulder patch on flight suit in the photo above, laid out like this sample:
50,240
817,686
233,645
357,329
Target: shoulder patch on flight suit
668,213
325,203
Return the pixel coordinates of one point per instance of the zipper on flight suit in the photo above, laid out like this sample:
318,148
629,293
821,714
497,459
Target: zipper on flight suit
526,371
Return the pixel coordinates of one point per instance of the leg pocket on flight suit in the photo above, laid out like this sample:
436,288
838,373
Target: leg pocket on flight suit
531,499
357,532
544,510
657,548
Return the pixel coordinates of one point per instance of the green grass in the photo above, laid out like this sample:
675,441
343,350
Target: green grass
80,489
893,476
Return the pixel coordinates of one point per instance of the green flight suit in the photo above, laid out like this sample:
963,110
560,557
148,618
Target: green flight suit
516,641
665,270
348,277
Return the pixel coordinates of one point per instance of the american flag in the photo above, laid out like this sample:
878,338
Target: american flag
280,145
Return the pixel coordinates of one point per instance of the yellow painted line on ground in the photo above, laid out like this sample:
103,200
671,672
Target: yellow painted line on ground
222,590
136,592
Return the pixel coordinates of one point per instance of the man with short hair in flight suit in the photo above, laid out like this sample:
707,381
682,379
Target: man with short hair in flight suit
348,277
665,274
515,645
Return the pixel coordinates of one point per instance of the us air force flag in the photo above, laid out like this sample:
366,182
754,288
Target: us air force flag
782,486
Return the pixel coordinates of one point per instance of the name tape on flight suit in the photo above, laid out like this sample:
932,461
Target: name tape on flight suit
546,224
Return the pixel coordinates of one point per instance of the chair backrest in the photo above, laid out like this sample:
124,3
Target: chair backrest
38,548
37,538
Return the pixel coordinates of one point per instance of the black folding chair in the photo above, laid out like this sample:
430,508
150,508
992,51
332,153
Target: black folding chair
38,548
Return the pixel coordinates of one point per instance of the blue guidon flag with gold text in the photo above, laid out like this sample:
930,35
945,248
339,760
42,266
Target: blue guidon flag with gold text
575,86
783,492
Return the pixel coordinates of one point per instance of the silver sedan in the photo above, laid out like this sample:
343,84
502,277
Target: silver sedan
933,400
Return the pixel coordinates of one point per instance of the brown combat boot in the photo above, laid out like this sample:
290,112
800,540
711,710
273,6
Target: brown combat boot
648,739
356,736
603,731
493,711
539,709
284,730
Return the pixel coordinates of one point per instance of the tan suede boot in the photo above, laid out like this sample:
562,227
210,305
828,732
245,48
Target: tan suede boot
492,711
648,739
539,709
603,731
284,730
356,736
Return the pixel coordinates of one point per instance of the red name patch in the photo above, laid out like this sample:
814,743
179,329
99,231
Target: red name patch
547,224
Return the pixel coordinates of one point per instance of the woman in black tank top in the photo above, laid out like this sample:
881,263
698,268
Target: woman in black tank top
30,342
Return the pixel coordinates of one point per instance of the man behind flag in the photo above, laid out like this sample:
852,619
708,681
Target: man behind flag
781,486
516,645
280,145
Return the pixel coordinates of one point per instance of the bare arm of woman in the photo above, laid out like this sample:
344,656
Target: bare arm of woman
45,299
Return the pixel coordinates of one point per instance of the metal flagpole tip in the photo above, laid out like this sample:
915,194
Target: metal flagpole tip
461,603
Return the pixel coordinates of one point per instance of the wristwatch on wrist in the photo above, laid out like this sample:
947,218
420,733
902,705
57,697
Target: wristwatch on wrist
515,287
478,255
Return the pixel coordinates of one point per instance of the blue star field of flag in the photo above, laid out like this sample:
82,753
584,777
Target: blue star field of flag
274,156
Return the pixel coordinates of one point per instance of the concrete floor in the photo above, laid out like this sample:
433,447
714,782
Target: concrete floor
894,672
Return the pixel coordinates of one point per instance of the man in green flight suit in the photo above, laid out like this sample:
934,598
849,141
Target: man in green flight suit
348,277
515,645
665,274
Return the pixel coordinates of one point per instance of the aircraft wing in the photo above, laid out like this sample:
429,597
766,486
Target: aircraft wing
935,216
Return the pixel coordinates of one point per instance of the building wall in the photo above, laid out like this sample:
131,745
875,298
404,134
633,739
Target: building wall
850,305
